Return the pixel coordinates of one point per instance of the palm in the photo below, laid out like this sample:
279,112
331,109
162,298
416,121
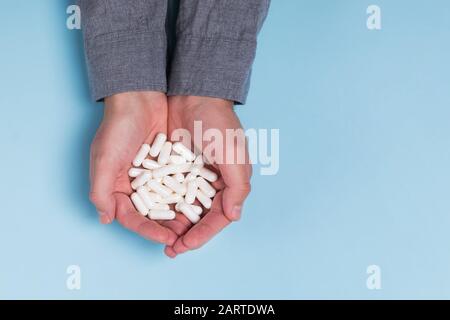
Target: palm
117,140
126,213
217,114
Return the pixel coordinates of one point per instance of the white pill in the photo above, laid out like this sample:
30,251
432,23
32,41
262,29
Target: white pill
191,192
173,198
195,170
176,159
203,199
159,188
164,154
153,195
161,214
141,179
145,196
179,177
182,168
141,155
171,169
199,161
181,149
139,204
150,164
209,175
157,144
174,185
134,172
187,210
197,209
161,206
177,205
207,189
190,177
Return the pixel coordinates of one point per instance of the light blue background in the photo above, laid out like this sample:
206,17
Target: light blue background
364,177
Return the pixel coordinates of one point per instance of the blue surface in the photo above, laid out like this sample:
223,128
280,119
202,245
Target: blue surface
364,176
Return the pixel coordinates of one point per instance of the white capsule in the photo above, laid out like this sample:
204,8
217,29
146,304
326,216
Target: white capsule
134,172
141,155
157,144
164,154
153,195
207,189
191,192
209,175
150,164
195,170
176,159
199,161
177,205
197,209
145,196
189,213
174,185
179,177
161,206
171,169
139,204
141,179
173,198
181,149
203,199
161,214
159,188
190,177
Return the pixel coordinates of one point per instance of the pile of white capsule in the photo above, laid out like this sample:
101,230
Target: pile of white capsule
168,173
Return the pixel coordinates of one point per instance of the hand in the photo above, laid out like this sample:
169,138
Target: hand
234,184
130,119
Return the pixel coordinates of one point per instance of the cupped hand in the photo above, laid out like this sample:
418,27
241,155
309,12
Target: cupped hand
130,119
234,183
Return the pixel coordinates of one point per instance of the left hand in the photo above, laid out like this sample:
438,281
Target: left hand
234,178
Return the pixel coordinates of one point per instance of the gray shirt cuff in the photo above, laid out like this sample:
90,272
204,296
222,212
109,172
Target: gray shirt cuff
126,62
216,46
125,45
212,67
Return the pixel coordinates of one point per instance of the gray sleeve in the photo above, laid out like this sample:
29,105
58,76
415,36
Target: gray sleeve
216,45
125,45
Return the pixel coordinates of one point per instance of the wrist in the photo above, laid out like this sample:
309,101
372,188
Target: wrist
136,104
197,101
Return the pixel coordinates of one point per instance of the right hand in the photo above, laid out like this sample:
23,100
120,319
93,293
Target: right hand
130,119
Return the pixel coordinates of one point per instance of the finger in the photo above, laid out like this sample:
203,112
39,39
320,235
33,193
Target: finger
210,225
179,225
170,252
148,229
104,172
236,178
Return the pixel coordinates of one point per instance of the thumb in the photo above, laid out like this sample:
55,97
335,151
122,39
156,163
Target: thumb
103,177
237,187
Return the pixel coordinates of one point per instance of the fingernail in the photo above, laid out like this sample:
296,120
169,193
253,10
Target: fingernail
236,212
104,218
